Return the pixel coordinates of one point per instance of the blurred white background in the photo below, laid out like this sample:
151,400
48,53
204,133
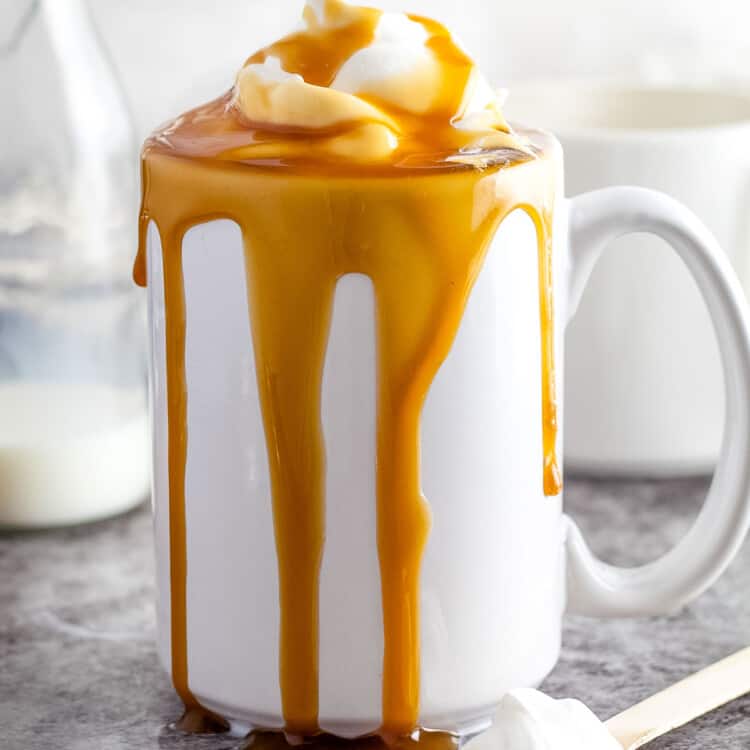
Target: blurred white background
172,54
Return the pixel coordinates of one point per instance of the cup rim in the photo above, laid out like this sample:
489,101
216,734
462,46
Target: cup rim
572,87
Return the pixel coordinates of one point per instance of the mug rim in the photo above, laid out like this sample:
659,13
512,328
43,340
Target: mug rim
550,89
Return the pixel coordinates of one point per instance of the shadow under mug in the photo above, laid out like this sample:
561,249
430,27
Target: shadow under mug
644,384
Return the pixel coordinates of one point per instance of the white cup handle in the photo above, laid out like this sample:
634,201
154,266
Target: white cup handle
660,587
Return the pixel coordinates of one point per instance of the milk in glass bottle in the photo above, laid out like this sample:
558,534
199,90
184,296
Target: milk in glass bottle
73,411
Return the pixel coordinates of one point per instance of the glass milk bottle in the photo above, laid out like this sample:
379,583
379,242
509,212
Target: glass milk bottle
73,411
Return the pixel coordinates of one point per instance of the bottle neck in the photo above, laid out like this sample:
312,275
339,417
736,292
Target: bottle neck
94,99
18,19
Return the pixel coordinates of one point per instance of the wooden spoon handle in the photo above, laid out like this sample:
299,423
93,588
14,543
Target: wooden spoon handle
682,702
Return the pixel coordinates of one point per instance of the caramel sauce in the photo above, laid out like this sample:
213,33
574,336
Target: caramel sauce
318,57
419,227
455,68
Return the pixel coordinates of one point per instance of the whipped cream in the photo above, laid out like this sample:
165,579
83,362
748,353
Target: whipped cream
269,95
530,720
405,73
396,67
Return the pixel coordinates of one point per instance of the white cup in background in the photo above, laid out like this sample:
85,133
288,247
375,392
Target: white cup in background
644,389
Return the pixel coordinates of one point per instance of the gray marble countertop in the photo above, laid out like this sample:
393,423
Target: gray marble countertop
78,668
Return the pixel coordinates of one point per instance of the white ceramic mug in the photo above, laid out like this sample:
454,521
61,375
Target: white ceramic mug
644,392
502,562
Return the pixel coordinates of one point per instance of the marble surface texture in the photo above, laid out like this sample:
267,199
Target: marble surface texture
78,668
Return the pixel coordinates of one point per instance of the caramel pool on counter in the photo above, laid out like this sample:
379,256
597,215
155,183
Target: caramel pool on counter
418,225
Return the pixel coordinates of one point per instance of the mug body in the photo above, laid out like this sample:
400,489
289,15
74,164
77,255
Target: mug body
644,380
492,579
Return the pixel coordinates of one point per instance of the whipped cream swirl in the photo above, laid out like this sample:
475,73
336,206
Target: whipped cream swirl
368,82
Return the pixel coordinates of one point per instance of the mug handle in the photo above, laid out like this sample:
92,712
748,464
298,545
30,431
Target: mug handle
663,586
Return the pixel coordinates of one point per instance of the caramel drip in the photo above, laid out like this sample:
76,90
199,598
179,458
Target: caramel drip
318,56
552,475
174,308
421,237
290,344
196,717
455,69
